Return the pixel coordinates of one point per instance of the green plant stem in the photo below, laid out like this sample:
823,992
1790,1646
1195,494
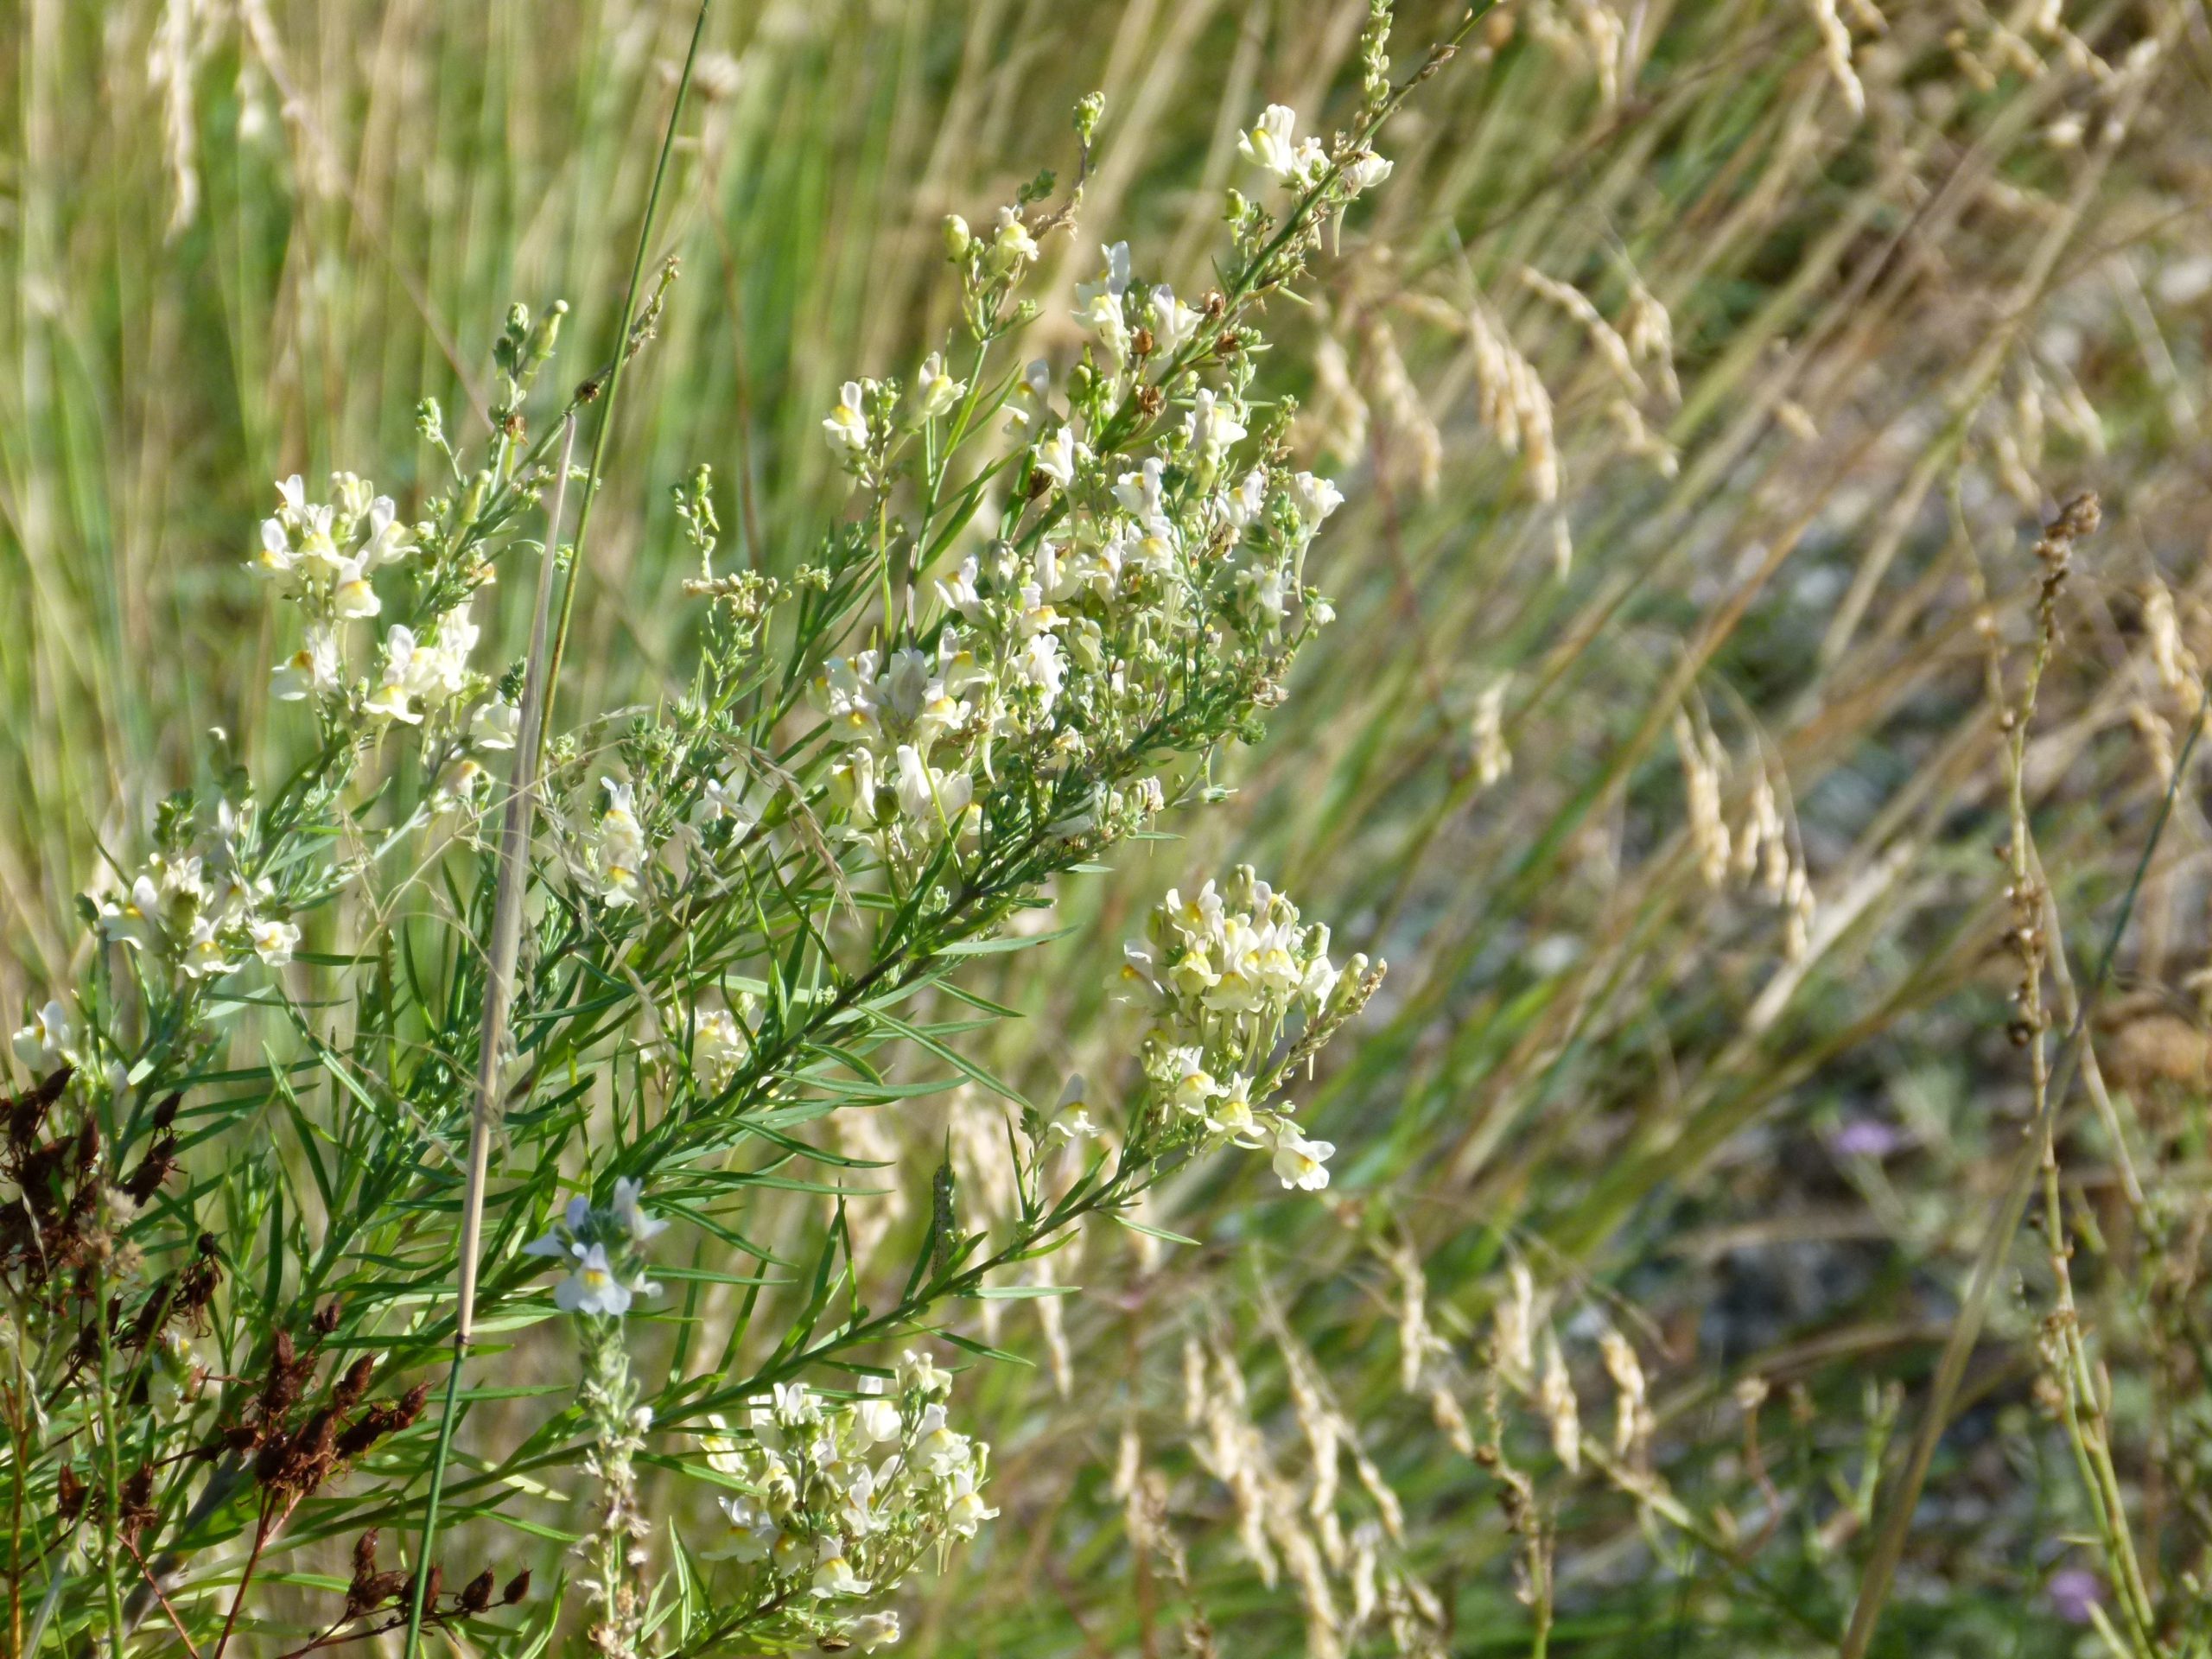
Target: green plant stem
499,990
622,355
111,1469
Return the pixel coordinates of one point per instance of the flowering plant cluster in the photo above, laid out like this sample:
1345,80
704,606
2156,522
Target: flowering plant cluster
839,1499
1226,975
456,962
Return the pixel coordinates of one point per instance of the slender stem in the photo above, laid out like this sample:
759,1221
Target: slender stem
111,1465
622,352
238,1596
498,987
154,1583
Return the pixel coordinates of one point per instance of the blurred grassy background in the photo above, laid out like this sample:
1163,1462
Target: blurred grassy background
1843,361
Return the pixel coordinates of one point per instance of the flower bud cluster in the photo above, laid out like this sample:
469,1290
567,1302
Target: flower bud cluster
839,1498
1223,973
322,556
193,909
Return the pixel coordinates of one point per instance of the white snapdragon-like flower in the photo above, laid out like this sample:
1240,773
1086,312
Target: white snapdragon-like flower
1012,246
1365,171
959,595
273,554
1056,457
351,596
44,1042
1212,426
496,725
719,1047
833,1573
389,540
937,1447
1173,322
917,1370
1140,494
873,1630
965,1509
311,670
1030,395
719,801
619,851
1314,497
393,698
1103,317
1298,1162
316,541
205,955
752,1534
629,1210
1244,504
846,427
1269,145
273,940
875,1417
927,793
1113,280
936,392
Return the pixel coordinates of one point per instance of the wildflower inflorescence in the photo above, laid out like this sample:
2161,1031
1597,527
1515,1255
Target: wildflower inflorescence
1064,587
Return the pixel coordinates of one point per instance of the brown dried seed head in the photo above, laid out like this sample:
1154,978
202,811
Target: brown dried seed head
165,1113
327,1318
517,1587
355,1384
476,1594
365,1554
68,1494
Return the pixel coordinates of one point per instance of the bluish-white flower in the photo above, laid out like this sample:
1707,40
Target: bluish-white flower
630,1211
592,1286
875,1418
